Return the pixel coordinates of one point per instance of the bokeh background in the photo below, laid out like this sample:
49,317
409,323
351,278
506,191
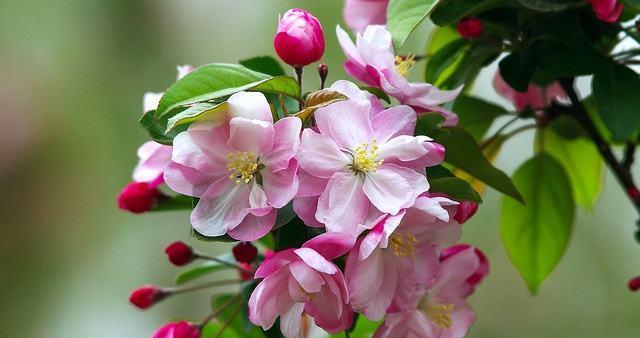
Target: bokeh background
72,76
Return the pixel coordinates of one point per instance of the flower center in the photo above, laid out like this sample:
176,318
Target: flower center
404,64
243,166
403,245
365,158
440,314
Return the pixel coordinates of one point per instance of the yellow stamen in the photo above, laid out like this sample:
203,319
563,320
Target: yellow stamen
243,166
440,314
404,64
403,245
365,158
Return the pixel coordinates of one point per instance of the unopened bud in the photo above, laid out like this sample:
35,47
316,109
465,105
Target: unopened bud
470,28
246,274
299,40
179,254
245,252
323,72
147,295
182,329
138,197
465,211
634,284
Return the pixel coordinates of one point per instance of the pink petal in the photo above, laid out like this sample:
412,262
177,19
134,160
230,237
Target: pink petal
348,47
343,205
358,14
331,245
363,277
305,208
320,156
222,207
250,105
392,187
150,101
290,321
315,260
187,181
309,279
253,136
154,157
375,47
285,145
254,227
338,120
310,186
280,186
262,303
191,149
275,262
453,273
378,305
392,122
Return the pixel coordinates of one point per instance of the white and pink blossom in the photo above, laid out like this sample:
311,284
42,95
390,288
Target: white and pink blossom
358,14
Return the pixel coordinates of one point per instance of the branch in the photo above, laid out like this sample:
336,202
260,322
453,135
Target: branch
622,173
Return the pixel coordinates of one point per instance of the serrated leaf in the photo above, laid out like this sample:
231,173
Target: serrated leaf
218,80
318,99
404,16
616,91
264,64
457,189
536,235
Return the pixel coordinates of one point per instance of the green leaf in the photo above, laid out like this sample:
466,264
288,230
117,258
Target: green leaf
378,93
440,37
364,328
476,115
212,329
157,127
285,215
536,235
442,60
178,202
581,161
468,63
459,190
292,235
204,111
634,3
518,68
265,65
438,171
549,5
429,124
224,238
203,269
451,11
318,99
235,314
463,152
617,93
218,80
403,16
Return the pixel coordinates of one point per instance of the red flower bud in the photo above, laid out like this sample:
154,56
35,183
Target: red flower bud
607,10
299,40
323,72
181,329
138,197
470,28
179,253
246,275
634,193
483,263
634,284
145,296
465,211
245,252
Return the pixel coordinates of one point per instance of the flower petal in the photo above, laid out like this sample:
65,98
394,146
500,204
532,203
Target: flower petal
250,105
320,156
343,205
392,187
254,227
305,208
253,136
221,208
285,145
392,122
290,321
331,245
315,260
187,181
280,186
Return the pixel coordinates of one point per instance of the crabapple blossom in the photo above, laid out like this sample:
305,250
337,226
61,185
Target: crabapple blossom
182,329
607,10
372,60
299,40
536,97
358,14
465,211
361,158
304,281
242,170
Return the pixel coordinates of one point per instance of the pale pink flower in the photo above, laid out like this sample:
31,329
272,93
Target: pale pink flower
358,14
153,158
303,281
398,255
372,60
607,10
241,170
483,263
536,97
442,312
360,158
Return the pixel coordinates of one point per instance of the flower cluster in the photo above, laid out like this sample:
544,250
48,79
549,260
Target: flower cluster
379,242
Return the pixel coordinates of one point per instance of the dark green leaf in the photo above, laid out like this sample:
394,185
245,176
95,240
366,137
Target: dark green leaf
292,235
634,3
442,60
567,127
617,93
156,128
451,11
459,190
476,115
463,152
265,65
536,235
178,202
518,68
403,16
285,215
268,241
378,93
468,63
429,124
219,80
549,5
438,171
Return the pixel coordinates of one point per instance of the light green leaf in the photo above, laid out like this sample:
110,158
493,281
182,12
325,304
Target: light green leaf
536,235
403,16
476,115
442,60
581,161
616,90
204,111
201,270
218,80
458,189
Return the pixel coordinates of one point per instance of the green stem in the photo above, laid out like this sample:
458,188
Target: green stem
202,286
221,261
217,312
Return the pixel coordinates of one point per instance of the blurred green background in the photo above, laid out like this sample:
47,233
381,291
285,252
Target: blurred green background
72,76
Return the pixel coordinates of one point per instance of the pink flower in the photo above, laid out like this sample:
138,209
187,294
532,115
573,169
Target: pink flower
399,254
607,10
535,98
138,197
483,267
242,170
153,158
371,60
358,14
470,28
303,281
180,329
361,157
299,40
465,211
443,311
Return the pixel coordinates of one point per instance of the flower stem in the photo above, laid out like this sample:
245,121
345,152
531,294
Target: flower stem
299,78
177,290
217,312
221,261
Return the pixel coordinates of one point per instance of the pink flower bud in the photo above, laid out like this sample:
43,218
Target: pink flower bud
245,252
634,193
244,274
179,253
138,197
145,296
181,329
483,267
465,211
299,40
470,28
607,10
634,284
